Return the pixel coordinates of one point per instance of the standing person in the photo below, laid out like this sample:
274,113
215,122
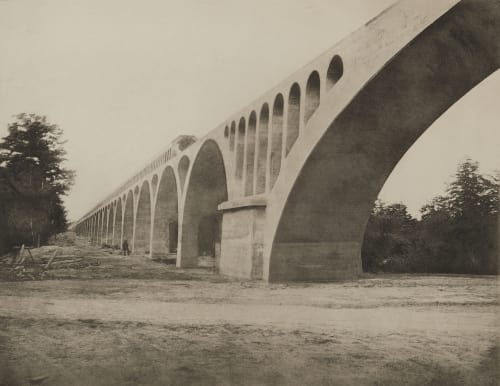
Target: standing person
125,249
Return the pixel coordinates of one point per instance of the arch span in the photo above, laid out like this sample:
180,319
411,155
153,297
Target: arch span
320,227
165,227
99,227
201,222
111,224
143,221
105,226
118,225
128,220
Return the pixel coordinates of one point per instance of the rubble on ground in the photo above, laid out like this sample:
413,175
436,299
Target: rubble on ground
27,263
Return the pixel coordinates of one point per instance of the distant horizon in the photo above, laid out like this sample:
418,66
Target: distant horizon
120,78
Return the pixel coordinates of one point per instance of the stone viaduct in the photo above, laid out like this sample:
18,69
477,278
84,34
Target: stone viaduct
282,190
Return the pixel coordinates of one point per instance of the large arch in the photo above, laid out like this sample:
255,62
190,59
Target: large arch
201,221
118,225
143,221
128,220
104,233
96,229
320,226
91,231
166,217
99,228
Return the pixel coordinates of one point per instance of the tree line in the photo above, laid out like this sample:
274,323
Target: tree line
457,233
32,182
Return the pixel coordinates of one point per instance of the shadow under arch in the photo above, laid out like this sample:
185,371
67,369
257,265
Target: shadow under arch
206,188
320,230
110,224
165,224
143,221
118,224
103,225
128,221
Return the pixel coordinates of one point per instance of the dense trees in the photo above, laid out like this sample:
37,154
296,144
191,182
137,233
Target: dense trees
389,234
458,232
32,181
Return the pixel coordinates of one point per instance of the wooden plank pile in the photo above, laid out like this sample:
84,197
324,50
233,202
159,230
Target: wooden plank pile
25,265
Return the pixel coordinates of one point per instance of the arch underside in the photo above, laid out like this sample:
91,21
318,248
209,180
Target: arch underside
320,232
200,233
128,221
143,221
118,224
164,241
110,225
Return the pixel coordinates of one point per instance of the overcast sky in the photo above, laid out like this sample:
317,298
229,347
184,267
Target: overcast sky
123,78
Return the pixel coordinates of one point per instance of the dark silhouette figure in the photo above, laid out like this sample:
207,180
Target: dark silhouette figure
125,249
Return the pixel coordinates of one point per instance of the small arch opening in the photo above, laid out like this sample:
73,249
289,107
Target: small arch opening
276,139
240,149
260,182
293,123
334,72
232,134
252,122
312,95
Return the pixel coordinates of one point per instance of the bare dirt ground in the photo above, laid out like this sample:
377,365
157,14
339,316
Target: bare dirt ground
132,321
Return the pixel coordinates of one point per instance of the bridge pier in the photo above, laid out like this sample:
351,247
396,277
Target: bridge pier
243,224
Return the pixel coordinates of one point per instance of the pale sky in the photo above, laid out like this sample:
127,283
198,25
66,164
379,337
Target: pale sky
123,78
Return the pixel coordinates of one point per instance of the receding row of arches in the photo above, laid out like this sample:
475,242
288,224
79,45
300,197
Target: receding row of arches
123,221
260,143
151,226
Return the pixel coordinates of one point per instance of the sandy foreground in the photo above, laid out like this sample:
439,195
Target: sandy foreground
131,321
